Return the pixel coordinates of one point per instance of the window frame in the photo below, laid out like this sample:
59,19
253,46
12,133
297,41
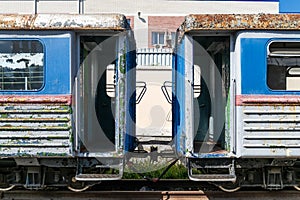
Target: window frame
157,35
43,67
284,53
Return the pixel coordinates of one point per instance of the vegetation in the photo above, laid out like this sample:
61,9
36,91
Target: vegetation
152,169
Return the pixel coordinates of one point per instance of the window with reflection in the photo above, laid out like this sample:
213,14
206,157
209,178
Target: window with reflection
283,66
21,65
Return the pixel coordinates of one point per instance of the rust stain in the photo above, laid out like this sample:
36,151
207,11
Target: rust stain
15,21
63,21
34,120
285,100
63,99
29,126
241,21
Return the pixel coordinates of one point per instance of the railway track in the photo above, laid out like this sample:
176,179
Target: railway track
148,195
149,190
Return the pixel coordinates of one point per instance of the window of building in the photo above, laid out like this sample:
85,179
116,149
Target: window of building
21,65
158,38
283,66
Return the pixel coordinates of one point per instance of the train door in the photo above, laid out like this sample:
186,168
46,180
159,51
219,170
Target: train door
207,108
211,92
96,109
97,60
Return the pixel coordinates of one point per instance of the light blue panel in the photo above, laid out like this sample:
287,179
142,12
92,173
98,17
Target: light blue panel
57,66
254,67
289,6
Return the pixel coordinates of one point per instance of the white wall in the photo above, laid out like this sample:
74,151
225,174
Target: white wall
162,7
132,7
141,31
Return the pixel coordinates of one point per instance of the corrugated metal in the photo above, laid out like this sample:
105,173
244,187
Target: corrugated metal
268,125
154,57
28,129
63,21
270,130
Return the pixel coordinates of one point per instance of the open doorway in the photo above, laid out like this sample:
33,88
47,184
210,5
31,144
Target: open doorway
97,60
212,62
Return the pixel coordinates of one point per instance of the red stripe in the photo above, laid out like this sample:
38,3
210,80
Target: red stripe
267,99
64,99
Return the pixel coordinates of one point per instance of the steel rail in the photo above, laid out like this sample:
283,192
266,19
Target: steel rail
148,195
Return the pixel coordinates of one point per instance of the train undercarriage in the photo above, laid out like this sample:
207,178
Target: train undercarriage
44,173
228,174
232,174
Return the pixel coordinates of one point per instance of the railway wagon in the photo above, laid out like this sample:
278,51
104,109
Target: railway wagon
67,99
236,99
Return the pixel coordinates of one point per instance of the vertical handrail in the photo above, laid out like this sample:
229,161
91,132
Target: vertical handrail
234,115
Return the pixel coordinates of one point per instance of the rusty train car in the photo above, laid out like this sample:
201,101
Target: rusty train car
236,99
67,99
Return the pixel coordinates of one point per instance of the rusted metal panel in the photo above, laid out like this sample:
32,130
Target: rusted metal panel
63,21
267,99
241,21
36,129
62,99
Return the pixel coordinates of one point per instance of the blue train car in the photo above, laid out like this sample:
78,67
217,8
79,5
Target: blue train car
67,99
236,99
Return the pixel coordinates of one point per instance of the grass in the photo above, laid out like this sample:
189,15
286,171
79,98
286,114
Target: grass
152,169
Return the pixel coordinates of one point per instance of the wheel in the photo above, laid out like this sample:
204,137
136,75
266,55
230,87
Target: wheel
297,187
77,186
234,189
229,186
7,188
78,189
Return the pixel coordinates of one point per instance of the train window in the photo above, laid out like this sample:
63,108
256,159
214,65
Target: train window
283,66
197,81
21,65
110,80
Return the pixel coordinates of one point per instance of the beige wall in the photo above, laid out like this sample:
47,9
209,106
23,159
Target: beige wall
153,115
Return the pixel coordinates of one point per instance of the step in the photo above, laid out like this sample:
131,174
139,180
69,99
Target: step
97,177
212,164
213,177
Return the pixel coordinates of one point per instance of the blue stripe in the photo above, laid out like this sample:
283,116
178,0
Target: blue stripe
178,105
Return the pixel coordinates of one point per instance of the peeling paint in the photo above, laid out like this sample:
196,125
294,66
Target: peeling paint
30,128
62,99
63,21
